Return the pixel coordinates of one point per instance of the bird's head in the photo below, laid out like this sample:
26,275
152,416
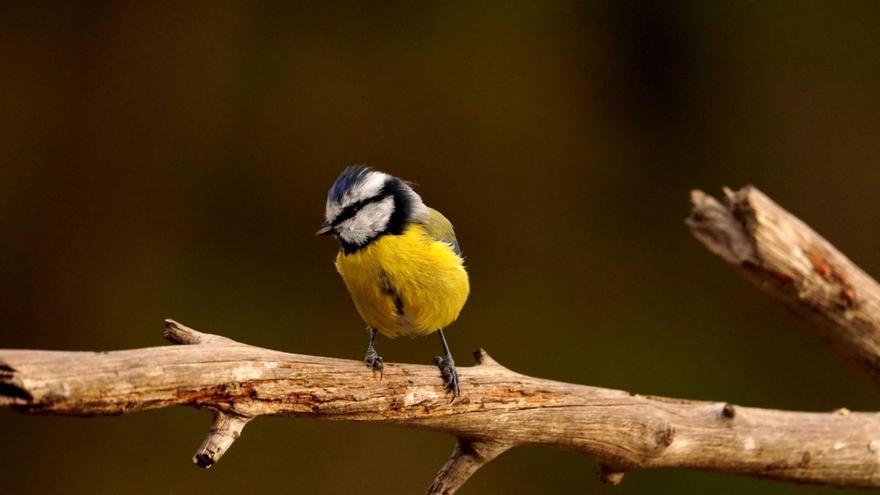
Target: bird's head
364,204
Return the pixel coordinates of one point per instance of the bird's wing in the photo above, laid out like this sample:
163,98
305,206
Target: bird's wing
440,228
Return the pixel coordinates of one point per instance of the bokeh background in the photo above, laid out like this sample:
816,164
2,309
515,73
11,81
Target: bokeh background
171,159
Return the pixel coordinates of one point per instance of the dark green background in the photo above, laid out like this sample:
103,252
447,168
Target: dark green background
172,160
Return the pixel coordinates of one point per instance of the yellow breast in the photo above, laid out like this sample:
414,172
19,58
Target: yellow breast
409,284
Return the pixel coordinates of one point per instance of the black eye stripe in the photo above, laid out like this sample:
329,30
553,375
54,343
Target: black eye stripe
352,209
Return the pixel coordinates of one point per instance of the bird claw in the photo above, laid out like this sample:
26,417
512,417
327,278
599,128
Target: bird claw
374,361
449,375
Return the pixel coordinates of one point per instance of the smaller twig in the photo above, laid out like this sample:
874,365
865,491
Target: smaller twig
610,475
225,430
178,333
790,261
719,230
466,459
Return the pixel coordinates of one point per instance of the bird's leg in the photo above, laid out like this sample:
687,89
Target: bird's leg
371,358
447,368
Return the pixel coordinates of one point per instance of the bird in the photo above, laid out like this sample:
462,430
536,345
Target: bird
399,260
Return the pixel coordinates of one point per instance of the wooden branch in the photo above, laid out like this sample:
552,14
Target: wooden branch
787,259
468,456
225,430
498,409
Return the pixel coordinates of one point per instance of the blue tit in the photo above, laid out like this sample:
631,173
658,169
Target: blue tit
399,259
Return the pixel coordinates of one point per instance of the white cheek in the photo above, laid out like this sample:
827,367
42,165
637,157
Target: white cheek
376,216
349,232
369,222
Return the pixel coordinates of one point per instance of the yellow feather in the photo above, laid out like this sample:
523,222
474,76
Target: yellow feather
425,274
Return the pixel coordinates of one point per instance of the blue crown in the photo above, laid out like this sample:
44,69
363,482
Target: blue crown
346,180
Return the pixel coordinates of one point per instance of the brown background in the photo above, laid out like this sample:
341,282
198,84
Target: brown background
172,159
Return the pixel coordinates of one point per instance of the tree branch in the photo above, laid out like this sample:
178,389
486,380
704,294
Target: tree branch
787,259
498,409
468,456
225,429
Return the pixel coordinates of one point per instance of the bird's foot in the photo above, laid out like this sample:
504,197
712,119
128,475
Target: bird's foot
449,374
374,361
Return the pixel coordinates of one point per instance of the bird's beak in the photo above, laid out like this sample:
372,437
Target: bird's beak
326,229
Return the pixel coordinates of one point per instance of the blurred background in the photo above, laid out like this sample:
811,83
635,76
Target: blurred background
172,160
